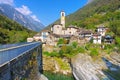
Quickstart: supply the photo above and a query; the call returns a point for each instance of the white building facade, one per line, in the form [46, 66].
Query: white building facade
[101, 30]
[57, 29]
[71, 31]
[97, 38]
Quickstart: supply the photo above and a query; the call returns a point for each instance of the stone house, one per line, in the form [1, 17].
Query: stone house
[102, 30]
[57, 29]
[108, 39]
[97, 38]
[86, 34]
[37, 38]
[30, 39]
[52, 39]
[71, 30]
[44, 35]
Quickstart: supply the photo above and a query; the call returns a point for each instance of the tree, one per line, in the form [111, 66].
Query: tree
[117, 40]
[74, 44]
[94, 52]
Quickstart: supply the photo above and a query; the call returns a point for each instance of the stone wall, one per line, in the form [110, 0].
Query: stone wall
[22, 66]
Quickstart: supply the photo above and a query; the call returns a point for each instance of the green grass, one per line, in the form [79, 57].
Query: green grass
[57, 76]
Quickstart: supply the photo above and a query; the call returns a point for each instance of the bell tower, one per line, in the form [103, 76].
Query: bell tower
[63, 19]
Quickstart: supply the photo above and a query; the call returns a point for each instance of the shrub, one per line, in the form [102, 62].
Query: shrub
[81, 49]
[74, 44]
[54, 54]
[46, 53]
[57, 76]
[61, 52]
[60, 41]
[117, 40]
[94, 52]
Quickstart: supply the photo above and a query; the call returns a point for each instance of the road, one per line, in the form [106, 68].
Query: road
[10, 53]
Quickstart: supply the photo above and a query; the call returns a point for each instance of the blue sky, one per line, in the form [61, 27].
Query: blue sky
[46, 11]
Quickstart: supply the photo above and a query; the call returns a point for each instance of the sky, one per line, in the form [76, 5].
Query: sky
[46, 11]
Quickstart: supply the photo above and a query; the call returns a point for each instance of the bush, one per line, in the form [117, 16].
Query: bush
[62, 41]
[53, 54]
[57, 76]
[69, 50]
[46, 53]
[74, 44]
[117, 40]
[61, 53]
[94, 52]
[81, 49]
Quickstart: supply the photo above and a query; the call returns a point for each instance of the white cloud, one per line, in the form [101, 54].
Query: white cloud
[35, 18]
[24, 10]
[10, 2]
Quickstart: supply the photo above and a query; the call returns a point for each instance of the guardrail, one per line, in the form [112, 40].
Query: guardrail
[10, 53]
[12, 45]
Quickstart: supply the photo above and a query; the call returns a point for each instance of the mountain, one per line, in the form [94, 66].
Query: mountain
[12, 32]
[95, 7]
[26, 21]
[98, 12]
[94, 13]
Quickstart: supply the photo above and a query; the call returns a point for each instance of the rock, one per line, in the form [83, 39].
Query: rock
[56, 65]
[42, 77]
[48, 48]
[48, 63]
[84, 68]
[115, 56]
[57, 68]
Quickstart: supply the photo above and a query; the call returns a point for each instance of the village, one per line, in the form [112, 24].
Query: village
[73, 33]
[84, 49]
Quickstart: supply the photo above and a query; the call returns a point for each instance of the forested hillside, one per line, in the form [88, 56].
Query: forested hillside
[27, 21]
[12, 32]
[106, 12]
[95, 7]
[99, 12]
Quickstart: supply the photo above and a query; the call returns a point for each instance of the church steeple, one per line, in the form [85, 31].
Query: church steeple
[63, 19]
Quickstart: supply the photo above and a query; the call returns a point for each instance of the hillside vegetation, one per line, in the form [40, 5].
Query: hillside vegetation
[106, 12]
[98, 12]
[12, 32]
[95, 7]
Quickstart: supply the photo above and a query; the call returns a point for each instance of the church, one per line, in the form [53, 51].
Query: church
[60, 29]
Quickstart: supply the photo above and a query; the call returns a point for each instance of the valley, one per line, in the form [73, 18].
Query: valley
[84, 45]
